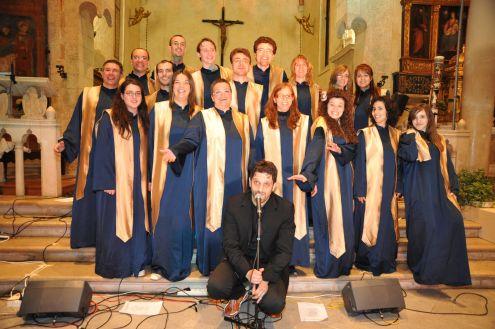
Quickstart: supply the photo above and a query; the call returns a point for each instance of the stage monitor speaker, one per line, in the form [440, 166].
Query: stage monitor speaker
[60, 298]
[375, 295]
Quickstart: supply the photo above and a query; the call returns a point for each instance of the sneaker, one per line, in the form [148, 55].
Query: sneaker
[234, 305]
[155, 276]
[141, 273]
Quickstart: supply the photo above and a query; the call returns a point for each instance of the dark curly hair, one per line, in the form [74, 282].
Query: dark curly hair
[390, 106]
[271, 112]
[345, 128]
[120, 114]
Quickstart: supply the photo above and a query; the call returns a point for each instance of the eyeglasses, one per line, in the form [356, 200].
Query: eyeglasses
[264, 51]
[133, 93]
[181, 44]
[284, 96]
[143, 58]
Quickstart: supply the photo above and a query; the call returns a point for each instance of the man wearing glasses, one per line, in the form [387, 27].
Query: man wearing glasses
[140, 63]
[221, 137]
[264, 73]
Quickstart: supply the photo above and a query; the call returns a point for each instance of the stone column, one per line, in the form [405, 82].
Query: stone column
[478, 81]
[19, 169]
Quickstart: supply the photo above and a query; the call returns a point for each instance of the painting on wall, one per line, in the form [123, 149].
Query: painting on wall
[449, 28]
[420, 31]
[23, 42]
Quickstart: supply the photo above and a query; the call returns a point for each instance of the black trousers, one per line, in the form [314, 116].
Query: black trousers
[225, 283]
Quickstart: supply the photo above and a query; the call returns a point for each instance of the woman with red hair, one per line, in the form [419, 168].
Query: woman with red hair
[281, 138]
[365, 92]
[327, 166]
[306, 90]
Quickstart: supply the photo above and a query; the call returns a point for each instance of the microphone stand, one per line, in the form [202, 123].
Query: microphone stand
[257, 322]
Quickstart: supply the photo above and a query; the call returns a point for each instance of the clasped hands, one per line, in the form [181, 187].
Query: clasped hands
[260, 286]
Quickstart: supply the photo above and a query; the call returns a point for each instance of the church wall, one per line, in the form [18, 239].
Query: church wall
[274, 18]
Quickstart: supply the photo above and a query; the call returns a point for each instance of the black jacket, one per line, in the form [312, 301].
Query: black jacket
[277, 227]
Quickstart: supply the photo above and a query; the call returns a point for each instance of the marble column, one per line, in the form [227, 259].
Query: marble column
[478, 81]
[19, 169]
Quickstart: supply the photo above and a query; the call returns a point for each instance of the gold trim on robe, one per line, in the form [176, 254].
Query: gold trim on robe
[225, 73]
[252, 103]
[124, 179]
[374, 182]
[273, 152]
[424, 153]
[333, 199]
[151, 84]
[314, 90]
[276, 77]
[151, 100]
[90, 98]
[216, 156]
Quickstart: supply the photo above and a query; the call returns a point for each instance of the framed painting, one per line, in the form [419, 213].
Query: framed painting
[23, 37]
[420, 31]
[449, 28]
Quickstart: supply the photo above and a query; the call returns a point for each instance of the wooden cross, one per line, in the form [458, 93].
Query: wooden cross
[222, 24]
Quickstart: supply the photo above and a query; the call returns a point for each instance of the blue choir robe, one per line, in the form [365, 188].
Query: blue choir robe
[172, 237]
[300, 250]
[114, 257]
[209, 242]
[83, 225]
[361, 117]
[308, 98]
[268, 78]
[436, 248]
[326, 264]
[160, 95]
[148, 84]
[379, 257]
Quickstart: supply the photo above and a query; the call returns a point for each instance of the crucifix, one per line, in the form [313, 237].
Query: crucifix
[222, 24]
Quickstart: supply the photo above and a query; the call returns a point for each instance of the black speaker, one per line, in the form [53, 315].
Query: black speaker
[61, 298]
[375, 295]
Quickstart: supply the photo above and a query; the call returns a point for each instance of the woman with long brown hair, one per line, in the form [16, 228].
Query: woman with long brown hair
[327, 166]
[307, 92]
[436, 247]
[340, 78]
[281, 138]
[170, 192]
[120, 183]
[365, 92]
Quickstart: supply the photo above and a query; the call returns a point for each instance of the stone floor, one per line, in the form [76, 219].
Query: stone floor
[430, 300]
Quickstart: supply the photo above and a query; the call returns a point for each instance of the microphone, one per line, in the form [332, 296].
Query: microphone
[257, 197]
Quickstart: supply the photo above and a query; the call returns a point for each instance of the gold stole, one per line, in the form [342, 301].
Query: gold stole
[333, 200]
[151, 100]
[424, 155]
[314, 90]
[276, 77]
[163, 121]
[374, 185]
[216, 156]
[225, 73]
[90, 98]
[252, 103]
[124, 179]
[273, 153]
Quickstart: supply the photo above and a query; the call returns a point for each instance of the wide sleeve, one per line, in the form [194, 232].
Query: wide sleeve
[360, 183]
[193, 136]
[151, 143]
[104, 156]
[312, 159]
[346, 155]
[408, 151]
[231, 243]
[72, 134]
[283, 250]
[453, 179]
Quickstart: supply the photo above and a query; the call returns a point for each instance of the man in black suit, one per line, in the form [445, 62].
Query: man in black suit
[240, 227]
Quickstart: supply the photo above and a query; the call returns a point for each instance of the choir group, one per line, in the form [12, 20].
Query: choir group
[159, 158]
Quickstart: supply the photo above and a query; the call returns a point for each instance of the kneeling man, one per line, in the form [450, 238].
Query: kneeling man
[240, 229]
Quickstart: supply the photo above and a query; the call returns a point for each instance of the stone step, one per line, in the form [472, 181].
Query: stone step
[35, 206]
[56, 227]
[12, 274]
[31, 249]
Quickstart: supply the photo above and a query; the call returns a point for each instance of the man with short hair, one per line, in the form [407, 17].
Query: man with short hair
[264, 72]
[77, 142]
[246, 95]
[240, 231]
[177, 47]
[164, 72]
[220, 137]
[209, 72]
[140, 58]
